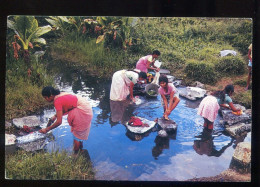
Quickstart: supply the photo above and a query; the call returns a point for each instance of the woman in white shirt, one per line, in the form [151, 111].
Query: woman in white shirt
[123, 82]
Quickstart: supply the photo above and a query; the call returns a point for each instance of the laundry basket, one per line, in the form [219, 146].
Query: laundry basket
[151, 90]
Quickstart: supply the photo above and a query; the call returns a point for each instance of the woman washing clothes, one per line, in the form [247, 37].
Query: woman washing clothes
[79, 114]
[147, 62]
[210, 105]
[169, 96]
[123, 82]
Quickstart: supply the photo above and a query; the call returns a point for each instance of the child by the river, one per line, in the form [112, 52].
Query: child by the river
[169, 95]
[210, 105]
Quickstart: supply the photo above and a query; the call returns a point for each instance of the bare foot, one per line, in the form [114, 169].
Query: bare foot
[166, 117]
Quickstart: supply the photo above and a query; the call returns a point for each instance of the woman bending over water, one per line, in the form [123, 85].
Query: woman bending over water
[123, 82]
[79, 114]
[210, 105]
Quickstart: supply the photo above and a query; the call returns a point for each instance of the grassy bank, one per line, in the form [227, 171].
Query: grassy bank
[23, 92]
[54, 166]
[190, 49]
[91, 57]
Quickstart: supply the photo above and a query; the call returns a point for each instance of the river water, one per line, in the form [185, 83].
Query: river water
[117, 154]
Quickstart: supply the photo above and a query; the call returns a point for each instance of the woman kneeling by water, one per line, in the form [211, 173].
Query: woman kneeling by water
[79, 114]
[169, 95]
[210, 105]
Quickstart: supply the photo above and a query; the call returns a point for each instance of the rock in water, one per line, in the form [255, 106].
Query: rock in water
[196, 92]
[192, 93]
[167, 125]
[238, 129]
[141, 130]
[30, 121]
[33, 146]
[162, 133]
[241, 160]
[231, 119]
[30, 137]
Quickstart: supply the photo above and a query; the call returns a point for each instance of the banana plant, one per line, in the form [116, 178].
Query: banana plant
[27, 32]
[118, 27]
[58, 22]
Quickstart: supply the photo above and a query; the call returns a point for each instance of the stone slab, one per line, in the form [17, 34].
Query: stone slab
[30, 121]
[167, 125]
[232, 119]
[141, 130]
[33, 146]
[238, 129]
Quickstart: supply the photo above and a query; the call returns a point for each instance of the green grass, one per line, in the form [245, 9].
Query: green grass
[179, 40]
[244, 98]
[42, 165]
[92, 57]
[23, 93]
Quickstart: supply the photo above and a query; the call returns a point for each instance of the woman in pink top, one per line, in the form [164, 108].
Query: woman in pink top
[169, 94]
[146, 62]
[79, 114]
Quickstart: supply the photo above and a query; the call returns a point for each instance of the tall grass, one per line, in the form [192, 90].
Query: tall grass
[93, 57]
[178, 39]
[42, 165]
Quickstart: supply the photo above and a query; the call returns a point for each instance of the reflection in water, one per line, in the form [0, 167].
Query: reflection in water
[137, 137]
[206, 145]
[162, 143]
[118, 111]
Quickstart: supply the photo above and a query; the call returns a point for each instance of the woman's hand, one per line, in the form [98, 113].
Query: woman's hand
[44, 131]
[133, 99]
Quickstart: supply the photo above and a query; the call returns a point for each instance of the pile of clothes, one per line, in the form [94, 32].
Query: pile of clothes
[136, 122]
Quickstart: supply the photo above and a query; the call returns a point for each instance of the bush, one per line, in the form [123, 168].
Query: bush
[240, 83]
[244, 98]
[208, 53]
[201, 71]
[175, 59]
[231, 65]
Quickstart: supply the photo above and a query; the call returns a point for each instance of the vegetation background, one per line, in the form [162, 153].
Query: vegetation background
[190, 49]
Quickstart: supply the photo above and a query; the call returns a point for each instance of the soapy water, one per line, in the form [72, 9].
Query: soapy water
[33, 136]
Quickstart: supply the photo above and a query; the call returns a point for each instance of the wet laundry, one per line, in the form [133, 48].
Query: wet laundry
[136, 122]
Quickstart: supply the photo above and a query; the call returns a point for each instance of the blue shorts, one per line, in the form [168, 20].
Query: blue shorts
[250, 63]
[75, 138]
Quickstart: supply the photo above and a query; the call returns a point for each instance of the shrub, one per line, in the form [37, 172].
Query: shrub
[175, 59]
[208, 53]
[240, 83]
[201, 71]
[244, 98]
[232, 65]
